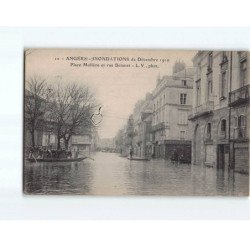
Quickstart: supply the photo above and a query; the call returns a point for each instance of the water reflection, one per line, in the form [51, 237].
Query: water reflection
[53, 178]
[110, 174]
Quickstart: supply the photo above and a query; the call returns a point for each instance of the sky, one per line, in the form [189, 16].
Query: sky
[116, 88]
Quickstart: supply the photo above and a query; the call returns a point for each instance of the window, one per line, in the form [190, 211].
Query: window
[210, 61]
[223, 84]
[198, 93]
[235, 121]
[242, 126]
[208, 132]
[223, 125]
[209, 89]
[243, 73]
[182, 117]
[164, 100]
[183, 98]
[223, 128]
[182, 135]
[242, 121]
[184, 82]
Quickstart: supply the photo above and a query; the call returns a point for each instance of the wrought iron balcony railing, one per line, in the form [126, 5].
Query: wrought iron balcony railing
[239, 96]
[201, 110]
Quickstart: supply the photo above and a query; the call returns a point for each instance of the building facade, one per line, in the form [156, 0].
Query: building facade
[172, 101]
[220, 110]
[142, 118]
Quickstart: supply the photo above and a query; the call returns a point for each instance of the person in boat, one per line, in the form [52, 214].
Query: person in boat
[31, 151]
[49, 152]
[69, 154]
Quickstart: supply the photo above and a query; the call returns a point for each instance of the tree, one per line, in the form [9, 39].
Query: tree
[71, 111]
[37, 98]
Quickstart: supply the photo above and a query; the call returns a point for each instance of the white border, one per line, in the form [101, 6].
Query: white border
[13, 205]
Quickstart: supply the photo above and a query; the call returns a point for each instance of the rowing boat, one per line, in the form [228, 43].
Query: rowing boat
[57, 159]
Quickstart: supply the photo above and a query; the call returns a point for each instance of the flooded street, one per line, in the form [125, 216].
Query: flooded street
[110, 174]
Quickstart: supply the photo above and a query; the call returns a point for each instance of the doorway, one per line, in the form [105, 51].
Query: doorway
[223, 156]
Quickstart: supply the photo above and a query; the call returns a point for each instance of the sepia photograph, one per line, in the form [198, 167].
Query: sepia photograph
[136, 122]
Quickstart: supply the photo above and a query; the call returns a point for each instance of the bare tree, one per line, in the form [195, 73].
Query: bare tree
[37, 94]
[71, 111]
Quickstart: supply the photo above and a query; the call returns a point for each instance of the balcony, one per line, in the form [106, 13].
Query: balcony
[202, 110]
[239, 96]
[159, 126]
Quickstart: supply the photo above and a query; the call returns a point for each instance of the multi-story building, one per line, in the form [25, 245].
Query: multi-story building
[220, 110]
[142, 119]
[172, 101]
[145, 123]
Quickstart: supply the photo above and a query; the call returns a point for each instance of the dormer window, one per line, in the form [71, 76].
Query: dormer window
[210, 62]
[224, 57]
[243, 72]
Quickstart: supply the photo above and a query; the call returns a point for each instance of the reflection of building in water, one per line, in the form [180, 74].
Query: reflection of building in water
[220, 110]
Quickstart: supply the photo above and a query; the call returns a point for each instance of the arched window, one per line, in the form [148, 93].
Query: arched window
[242, 126]
[235, 121]
[223, 125]
[242, 121]
[208, 131]
[223, 128]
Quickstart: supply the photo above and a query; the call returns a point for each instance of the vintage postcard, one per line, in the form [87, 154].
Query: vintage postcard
[136, 122]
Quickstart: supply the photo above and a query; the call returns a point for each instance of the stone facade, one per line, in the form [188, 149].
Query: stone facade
[142, 119]
[220, 110]
[172, 99]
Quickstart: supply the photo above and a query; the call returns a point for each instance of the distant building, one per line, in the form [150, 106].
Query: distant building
[106, 144]
[81, 143]
[172, 101]
[142, 120]
[220, 110]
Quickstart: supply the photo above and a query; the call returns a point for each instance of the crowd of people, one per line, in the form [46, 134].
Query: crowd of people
[42, 152]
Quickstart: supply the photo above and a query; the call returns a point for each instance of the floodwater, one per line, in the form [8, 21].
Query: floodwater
[110, 174]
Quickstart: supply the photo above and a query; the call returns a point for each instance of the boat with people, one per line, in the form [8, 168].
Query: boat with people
[40, 154]
[57, 159]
